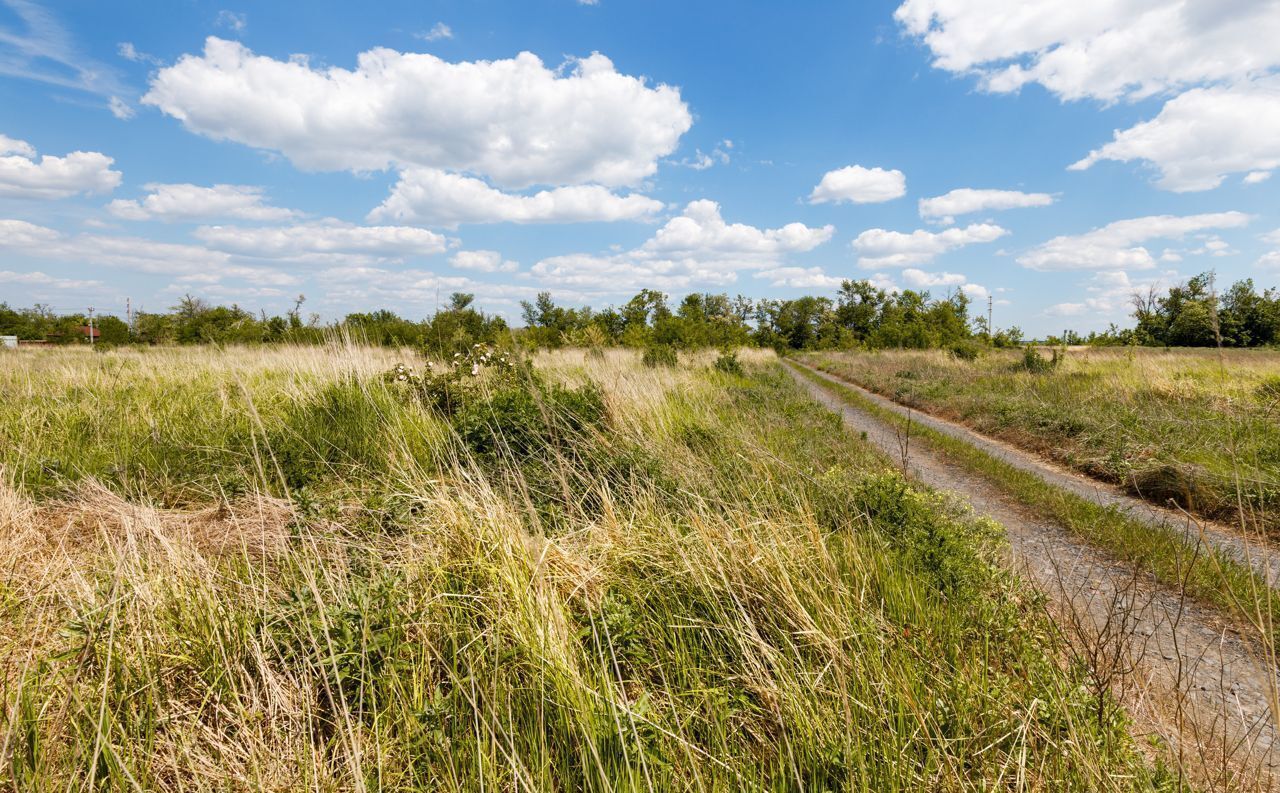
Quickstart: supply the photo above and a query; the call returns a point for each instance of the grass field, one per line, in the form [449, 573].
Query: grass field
[278, 569]
[1197, 427]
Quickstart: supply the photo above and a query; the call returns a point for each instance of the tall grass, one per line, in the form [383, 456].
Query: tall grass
[734, 594]
[1195, 427]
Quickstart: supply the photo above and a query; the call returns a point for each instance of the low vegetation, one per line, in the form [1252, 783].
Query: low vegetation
[341, 568]
[1195, 428]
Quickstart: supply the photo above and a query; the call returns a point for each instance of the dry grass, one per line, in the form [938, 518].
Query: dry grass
[752, 603]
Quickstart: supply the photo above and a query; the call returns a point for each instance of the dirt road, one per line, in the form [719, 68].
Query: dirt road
[1182, 672]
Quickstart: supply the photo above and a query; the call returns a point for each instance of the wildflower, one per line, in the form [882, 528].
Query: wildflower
[475, 369]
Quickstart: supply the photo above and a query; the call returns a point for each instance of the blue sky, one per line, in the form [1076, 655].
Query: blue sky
[1056, 156]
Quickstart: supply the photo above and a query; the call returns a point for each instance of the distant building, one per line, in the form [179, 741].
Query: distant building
[8, 341]
[90, 333]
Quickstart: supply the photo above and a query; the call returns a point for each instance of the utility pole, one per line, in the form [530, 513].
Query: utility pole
[991, 331]
[90, 326]
[128, 314]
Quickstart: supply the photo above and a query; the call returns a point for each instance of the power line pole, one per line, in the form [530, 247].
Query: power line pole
[90, 326]
[128, 314]
[991, 331]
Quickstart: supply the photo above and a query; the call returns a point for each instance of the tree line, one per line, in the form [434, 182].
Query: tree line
[861, 315]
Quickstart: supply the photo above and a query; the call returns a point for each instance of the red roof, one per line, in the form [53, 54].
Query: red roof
[85, 330]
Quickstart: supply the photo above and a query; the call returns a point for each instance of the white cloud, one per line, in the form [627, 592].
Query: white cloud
[10, 145]
[965, 200]
[324, 240]
[701, 161]
[697, 248]
[1116, 245]
[1256, 177]
[39, 48]
[859, 185]
[1107, 296]
[919, 279]
[1100, 49]
[37, 278]
[432, 196]
[193, 262]
[189, 202]
[881, 248]
[232, 20]
[1271, 258]
[120, 108]
[514, 121]
[17, 236]
[1203, 135]
[483, 261]
[22, 176]
[438, 31]
[799, 277]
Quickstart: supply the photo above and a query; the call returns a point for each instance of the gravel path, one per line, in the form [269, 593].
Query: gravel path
[1185, 674]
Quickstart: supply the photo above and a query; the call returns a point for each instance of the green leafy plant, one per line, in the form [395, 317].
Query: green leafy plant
[728, 363]
[656, 355]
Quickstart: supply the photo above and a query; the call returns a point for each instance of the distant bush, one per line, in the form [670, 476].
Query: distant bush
[656, 355]
[728, 363]
[1036, 363]
[967, 350]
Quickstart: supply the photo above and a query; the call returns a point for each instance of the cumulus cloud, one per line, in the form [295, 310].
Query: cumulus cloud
[514, 121]
[189, 202]
[799, 277]
[966, 200]
[858, 185]
[696, 248]
[881, 248]
[919, 279]
[483, 261]
[1203, 135]
[434, 197]
[1100, 49]
[49, 177]
[1116, 246]
[324, 240]
[1256, 177]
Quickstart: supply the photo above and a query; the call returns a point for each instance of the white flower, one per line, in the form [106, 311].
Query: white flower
[475, 369]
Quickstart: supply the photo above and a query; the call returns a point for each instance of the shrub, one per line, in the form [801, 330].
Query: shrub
[446, 388]
[728, 363]
[656, 355]
[967, 350]
[1036, 363]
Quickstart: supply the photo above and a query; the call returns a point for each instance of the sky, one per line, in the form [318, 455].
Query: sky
[1052, 156]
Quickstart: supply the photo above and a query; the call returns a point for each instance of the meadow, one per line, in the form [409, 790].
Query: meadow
[1196, 428]
[289, 568]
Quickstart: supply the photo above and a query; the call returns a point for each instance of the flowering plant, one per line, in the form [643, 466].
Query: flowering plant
[446, 386]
